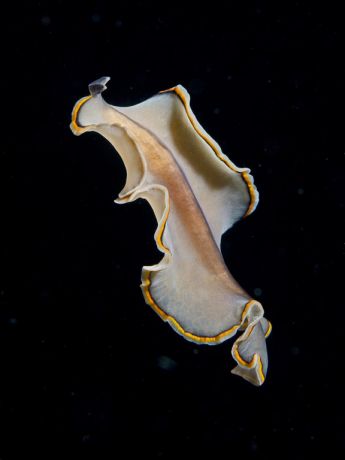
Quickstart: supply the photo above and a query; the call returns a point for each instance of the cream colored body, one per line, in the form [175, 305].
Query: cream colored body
[196, 194]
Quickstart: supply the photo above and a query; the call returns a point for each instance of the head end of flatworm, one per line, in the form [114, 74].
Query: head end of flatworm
[98, 86]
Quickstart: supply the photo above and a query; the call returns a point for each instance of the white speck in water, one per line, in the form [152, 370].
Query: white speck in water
[96, 18]
[295, 351]
[166, 363]
[45, 20]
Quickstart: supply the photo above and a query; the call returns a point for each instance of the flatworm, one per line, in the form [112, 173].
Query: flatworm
[196, 194]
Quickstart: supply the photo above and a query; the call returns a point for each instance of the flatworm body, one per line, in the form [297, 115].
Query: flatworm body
[196, 194]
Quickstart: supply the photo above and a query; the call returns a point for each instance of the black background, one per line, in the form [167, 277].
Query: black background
[87, 369]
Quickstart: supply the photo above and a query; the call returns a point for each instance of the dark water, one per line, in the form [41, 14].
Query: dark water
[86, 367]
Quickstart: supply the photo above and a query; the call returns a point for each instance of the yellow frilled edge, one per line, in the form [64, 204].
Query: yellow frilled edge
[245, 176]
[202, 339]
[74, 123]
